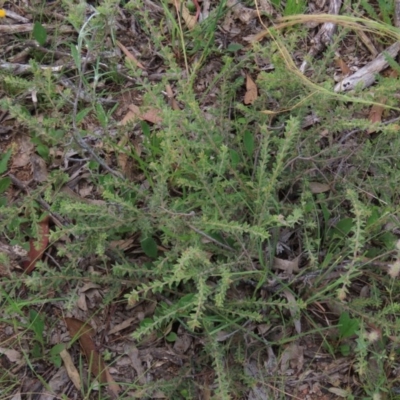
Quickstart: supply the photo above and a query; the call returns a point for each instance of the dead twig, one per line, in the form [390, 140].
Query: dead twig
[211, 239]
[18, 69]
[13, 15]
[22, 28]
[366, 75]
[397, 13]
[324, 36]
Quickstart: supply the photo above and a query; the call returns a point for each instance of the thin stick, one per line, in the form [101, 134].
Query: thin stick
[225, 246]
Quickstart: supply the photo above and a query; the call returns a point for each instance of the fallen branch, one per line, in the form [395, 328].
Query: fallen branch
[366, 75]
[324, 36]
[22, 28]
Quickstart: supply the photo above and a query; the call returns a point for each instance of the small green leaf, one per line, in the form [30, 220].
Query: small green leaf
[235, 158]
[57, 349]
[325, 213]
[185, 394]
[327, 260]
[233, 47]
[57, 361]
[191, 6]
[373, 218]
[4, 184]
[4, 161]
[43, 151]
[75, 55]
[344, 349]
[93, 165]
[248, 140]
[39, 33]
[388, 239]
[146, 322]
[54, 354]
[172, 336]
[347, 326]
[185, 300]
[37, 325]
[294, 7]
[145, 128]
[101, 115]
[36, 350]
[82, 114]
[342, 228]
[56, 134]
[149, 246]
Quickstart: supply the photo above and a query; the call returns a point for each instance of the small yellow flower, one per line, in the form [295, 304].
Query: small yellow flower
[2, 13]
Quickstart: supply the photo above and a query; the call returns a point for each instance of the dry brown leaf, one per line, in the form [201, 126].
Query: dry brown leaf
[266, 6]
[81, 302]
[129, 55]
[241, 12]
[151, 115]
[89, 286]
[294, 310]
[375, 114]
[24, 148]
[85, 190]
[289, 266]
[97, 367]
[122, 244]
[17, 396]
[293, 354]
[317, 187]
[170, 94]
[133, 353]
[123, 325]
[123, 159]
[39, 168]
[251, 91]
[132, 114]
[344, 68]
[71, 369]
[339, 392]
[12, 355]
[55, 386]
[190, 20]
[182, 343]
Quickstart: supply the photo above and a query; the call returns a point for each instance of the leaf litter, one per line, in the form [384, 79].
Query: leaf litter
[157, 359]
